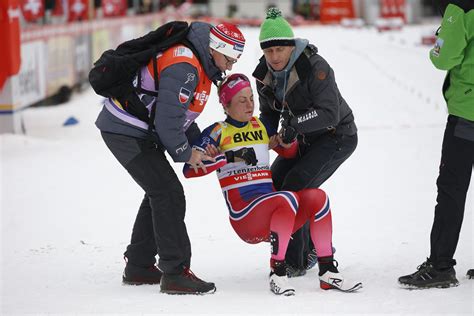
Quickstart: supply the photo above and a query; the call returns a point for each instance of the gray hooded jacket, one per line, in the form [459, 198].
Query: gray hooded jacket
[170, 117]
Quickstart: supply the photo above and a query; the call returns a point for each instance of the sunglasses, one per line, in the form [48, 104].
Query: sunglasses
[230, 61]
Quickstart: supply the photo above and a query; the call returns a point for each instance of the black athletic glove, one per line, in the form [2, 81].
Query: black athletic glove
[245, 154]
[288, 133]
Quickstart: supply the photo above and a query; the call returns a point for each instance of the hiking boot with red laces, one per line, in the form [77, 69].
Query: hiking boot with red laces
[185, 283]
[136, 275]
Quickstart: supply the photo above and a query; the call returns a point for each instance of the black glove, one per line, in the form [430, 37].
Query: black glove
[288, 133]
[246, 154]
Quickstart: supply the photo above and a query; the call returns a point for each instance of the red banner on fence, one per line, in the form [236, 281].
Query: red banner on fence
[78, 10]
[114, 7]
[10, 58]
[32, 9]
[332, 11]
[393, 9]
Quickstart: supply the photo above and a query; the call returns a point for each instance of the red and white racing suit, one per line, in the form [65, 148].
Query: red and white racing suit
[256, 211]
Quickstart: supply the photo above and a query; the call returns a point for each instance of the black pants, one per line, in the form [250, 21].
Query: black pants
[457, 159]
[316, 162]
[159, 226]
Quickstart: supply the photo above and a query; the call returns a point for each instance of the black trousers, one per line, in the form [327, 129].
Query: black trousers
[457, 159]
[315, 163]
[159, 226]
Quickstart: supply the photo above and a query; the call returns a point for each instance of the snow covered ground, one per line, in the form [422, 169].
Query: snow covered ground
[67, 207]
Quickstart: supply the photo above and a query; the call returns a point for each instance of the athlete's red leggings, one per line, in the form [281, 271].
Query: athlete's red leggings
[275, 216]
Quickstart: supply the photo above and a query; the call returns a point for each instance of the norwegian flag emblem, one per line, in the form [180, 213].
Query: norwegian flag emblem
[184, 95]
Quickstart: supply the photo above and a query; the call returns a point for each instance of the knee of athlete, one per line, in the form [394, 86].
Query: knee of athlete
[313, 196]
[292, 197]
[289, 200]
[285, 212]
[321, 196]
[322, 204]
[316, 198]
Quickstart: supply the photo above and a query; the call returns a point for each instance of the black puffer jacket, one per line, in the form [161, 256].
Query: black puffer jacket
[311, 98]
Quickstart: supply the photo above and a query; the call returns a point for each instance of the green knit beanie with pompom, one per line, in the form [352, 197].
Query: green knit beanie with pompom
[275, 30]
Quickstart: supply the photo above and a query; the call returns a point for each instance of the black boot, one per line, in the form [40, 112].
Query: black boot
[136, 275]
[312, 258]
[470, 274]
[428, 276]
[185, 283]
[327, 264]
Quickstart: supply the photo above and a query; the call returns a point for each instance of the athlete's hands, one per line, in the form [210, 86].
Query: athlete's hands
[273, 142]
[196, 160]
[279, 141]
[288, 134]
[212, 150]
[244, 154]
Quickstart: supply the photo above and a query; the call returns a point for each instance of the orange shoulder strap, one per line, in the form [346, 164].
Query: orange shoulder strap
[175, 55]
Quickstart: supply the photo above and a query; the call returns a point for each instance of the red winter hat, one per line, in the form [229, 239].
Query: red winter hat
[227, 39]
[231, 86]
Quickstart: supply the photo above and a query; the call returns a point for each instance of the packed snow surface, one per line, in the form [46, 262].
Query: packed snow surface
[67, 206]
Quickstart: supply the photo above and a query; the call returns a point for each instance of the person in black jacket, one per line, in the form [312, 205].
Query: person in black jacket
[297, 86]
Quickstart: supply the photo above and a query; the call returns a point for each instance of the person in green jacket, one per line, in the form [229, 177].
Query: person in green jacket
[454, 52]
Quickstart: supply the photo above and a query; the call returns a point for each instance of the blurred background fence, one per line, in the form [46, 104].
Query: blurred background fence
[52, 44]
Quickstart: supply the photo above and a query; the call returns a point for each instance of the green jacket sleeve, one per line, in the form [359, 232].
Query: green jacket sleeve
[451, 41]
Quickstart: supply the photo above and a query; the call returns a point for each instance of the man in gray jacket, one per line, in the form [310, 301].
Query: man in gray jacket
[295, 84]
[186, 74]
